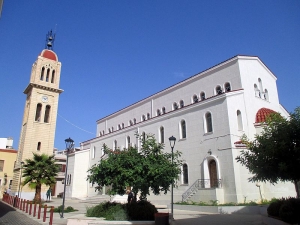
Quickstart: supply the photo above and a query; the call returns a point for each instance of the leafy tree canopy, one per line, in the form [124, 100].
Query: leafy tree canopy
[39, 170]
[148, 169]
[274, 155]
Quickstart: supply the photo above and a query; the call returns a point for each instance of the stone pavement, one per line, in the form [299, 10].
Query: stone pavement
[181, 217]
[10, 216]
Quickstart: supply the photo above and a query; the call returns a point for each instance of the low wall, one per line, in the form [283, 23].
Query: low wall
[221, 209]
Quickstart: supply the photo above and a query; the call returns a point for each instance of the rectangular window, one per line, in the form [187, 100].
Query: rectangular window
[1, 165]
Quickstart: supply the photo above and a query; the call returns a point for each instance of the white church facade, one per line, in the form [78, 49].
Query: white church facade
[207, 113]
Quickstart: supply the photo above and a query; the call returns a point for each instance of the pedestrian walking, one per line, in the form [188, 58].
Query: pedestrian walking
[48, 194]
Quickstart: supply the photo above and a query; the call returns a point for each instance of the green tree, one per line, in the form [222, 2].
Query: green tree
[274, 155]
[39, 170]
[148, 169]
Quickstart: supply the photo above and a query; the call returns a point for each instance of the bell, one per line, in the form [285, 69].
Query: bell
[49, 44]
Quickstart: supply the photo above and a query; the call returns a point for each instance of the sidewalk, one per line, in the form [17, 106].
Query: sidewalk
[181, 217]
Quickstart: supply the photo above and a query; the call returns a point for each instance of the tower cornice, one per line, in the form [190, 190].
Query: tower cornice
[42, 87]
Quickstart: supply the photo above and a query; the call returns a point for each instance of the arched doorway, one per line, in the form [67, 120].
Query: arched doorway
[213, 177]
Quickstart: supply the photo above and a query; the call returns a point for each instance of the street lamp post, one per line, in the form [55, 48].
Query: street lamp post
[172, 144]
[22, 163]
[69, 147]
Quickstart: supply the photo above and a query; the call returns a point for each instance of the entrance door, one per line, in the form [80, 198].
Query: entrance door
[213, 173]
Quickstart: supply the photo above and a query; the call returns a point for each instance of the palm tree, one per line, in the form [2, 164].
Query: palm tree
[38, 171]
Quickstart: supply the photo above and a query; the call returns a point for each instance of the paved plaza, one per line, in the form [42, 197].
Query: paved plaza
[10, 216]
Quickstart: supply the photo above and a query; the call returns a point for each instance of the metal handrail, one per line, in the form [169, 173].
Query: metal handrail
[201, 183]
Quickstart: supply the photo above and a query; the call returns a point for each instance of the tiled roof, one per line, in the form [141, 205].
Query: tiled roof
[262, 114]
[49, 54]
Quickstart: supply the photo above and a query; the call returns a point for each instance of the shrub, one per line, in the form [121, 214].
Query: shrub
[141, 210]
[274, 207]
[67, 209]
[290, 211]
[108, 210]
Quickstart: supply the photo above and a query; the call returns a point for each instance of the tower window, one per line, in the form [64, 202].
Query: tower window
[239, 120]
[128, 142]
[227, 87]
[202, 96]
[218, 90]
[42, 73]
[175, 106]
[148, 116]
[115, 145]
[122, 125]
[53, 76]
[195, 98]
[163, 110]
[48, 74]
[158, 112]
[47, 114]
[134, 120]
[143, 118]
[38, 112]
[39, 146]
[181, 103]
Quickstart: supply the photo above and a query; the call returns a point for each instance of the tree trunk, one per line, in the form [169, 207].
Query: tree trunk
[37, 197]
[296, 187]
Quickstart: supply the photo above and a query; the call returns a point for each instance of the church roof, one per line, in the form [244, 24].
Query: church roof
[262, 114]
[46, 53]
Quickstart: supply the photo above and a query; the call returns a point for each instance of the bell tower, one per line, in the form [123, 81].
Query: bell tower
[40, 113]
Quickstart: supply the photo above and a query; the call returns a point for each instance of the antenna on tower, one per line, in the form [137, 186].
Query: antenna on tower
[50, 37]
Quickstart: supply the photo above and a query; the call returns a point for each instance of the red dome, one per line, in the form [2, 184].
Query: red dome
[49, 54]
[262, 114]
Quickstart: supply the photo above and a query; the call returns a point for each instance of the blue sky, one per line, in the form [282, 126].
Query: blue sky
[115, 53]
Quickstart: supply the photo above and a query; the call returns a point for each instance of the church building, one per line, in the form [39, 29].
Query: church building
[207, 113]
[39, 119]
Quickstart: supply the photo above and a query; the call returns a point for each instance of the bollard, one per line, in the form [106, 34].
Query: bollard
[24, 201]
[39, 212]
[34, 210]
[51, 215]
[20, 205]
[27, 206]
[30, 207]
[45, 211]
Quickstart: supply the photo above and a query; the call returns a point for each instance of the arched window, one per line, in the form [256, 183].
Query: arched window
[122, 125]
[112, 129]
[128, 142]
[47, 114]
[162, 134]
[239, 120]
[181, 103]
[134, 120]
[208, 122]
[42, 73]
[39, 146]
[38, 112]
[143, 118]
[130, 122]
[175, 106]
[185, 174]
[143, 136]
[260, 85]
[48, 74]
[109, 131]
[148, 116]
[103, 132]
[227, 87]
[195, 98]
[202, 96]
[183, 129]
[119, 126]
[266, 95]
[257, 91]
[163, 110]
[158, 112]
[115, 145]
[53, 76]
[100, 134]
[94, 152]
[218, 90]
[69, 179]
